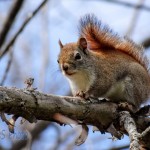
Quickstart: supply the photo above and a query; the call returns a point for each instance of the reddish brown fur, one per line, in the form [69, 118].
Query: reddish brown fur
[100, 37]
[108, 66]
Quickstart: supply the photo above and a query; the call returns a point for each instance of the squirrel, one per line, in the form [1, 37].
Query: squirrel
[102, 64]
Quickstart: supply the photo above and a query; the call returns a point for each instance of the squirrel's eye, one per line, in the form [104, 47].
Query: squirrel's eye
[77, 56]
[58, 61]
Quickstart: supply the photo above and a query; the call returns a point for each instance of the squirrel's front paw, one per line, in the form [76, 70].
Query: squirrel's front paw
[82, 94]
[127, 106]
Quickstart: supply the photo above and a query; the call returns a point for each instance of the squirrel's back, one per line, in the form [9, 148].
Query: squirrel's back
[100, 37]
[102, 64]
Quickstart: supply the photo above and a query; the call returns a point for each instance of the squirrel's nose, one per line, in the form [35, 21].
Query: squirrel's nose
[65, 67]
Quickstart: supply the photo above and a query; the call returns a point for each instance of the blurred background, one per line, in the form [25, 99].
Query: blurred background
[34, 54]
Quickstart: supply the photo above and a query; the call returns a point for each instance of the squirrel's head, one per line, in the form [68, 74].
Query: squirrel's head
[73, 57]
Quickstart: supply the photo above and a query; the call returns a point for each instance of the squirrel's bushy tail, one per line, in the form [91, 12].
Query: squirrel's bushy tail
[101, 37]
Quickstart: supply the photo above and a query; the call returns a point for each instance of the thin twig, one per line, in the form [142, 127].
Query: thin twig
[120, 147]
[124, 3]
[30, 16]
[10, 20]
[146, 43]
[134, 18]
[144, 133]
[7, 68]
[129, 125]
[35, 132]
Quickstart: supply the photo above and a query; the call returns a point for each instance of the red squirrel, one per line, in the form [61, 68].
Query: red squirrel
[102, 64]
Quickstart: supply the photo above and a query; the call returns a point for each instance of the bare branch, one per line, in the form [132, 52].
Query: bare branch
[10, 20]
[134, 18]
[144, 133]
[44, 107]
[131, 129]
[30, 16]
[124, 3]
[7, 68]
[146, 43]
[120, 147]
[41, 126]
[32, 104]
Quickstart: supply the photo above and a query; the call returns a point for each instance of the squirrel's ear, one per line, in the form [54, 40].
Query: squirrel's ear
[60, 44]
[82, 43]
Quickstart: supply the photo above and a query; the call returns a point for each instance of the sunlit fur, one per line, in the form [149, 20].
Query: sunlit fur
[111, 67]
[80, 80]
[100, 36]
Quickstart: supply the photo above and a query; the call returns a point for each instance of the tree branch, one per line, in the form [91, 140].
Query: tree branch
[146, 43]
[130, 127]
[7, 68]
[32, 104]
[120, 147]
[124, 3]
[41, 126]
[127, 4]
[44, 107]
[11, 17]
[9, 45]
[134, 18]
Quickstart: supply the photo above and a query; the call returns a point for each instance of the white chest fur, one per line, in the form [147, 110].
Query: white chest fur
[80, 82]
